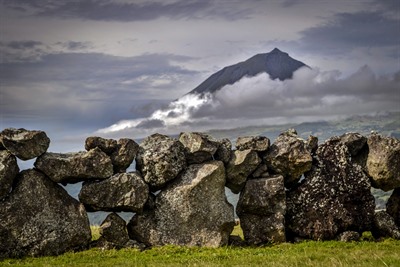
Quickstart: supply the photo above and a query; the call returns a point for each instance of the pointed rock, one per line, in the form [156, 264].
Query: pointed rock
[199, 147]
[8, 171]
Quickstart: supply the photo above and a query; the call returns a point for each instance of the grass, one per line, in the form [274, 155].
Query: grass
[310, 253]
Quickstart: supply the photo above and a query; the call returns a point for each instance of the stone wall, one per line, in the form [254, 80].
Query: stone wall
[290, 190]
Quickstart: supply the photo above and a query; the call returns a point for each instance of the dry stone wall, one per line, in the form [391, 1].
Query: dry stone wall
[292, 189]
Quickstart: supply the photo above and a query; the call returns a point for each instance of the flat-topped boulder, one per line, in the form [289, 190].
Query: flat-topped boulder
[39, 218]
[199, 147]
[122, 192]
[160, 159]
[8, 171]
[24, 144]
[75, 167]
[256, 143]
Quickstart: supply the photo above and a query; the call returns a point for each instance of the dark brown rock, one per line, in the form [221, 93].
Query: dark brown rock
[122, 192]
[108, 146]
[256, 143]
[24, 144]
[40, 218]
[8, 171]
[385, 226]
[354, 142]
[160, 160]
[191, 211]
[223, 152]
[393, 206]
[312, 144]
[199, 147]
[75, 167]
[333, 198]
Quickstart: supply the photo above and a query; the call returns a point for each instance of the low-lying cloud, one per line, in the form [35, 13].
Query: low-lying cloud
[311, 95]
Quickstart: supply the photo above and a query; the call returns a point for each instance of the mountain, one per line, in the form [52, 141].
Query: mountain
[278, 64]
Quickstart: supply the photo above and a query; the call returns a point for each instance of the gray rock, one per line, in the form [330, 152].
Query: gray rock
[349, 236]
[223, 152]
[354, 142]
[113, 233]
[333, 198]
[383, 162]
[40, 218]
[108, 146]
[191, 211]
[160, 160]
[24, 144]
[122, 192]
[256, 143]
[289, 156]
[261, 171]
[239, 168]
[8, 171]
[75, 167]
[261, 209]
[199, 147]
[393, 206]
[312, 144]
[385, 226]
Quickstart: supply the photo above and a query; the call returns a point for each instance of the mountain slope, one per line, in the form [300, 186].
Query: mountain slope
[278, 64]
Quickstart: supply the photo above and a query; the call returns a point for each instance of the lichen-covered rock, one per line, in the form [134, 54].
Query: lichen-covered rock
[8, 171]
[199, 147]
[289, 156]
[191, 211]
[122, 192]
[24, 144]
[261, 209]
[312, 144]
[261, 171]
[354, 142]
[393, 206]
[333, 198]
[385, 226]
[256, 143]
[160, 159]
[40, 218]
[239, 167]
[223, 152]
[383, 162]
[75, 167]
[121, 152]
[349, 236]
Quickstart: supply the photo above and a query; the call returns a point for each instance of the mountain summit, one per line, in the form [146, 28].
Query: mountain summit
[278, 64]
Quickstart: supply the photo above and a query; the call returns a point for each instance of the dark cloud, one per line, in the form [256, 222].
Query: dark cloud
[22, 45]
[108, 10]
[72, 45]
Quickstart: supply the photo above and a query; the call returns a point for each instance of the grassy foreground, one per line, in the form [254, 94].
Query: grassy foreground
[311, 253]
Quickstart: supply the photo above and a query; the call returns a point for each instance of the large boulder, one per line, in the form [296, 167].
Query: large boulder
[24, 144]
[239, 168]
[8, 171]
[121, 152]
[256, 143]
[75, 167]
[383, 162]
[385, 226]
[261, 209]
[333, 198]
[191, 211]
[40, 218]
[122, 192]
[160, 159]
[289, 156]
[199, 147]
[393, 206]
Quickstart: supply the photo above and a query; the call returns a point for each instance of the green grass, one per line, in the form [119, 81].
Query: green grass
[310, 253]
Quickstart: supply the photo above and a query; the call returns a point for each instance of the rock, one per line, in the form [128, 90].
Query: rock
[8, 171]
[191, 211]
[236, 241]
[289, 156]
[349, 236]
[223, 152]
[199, 147]
[239, 167]
[75, 167]
[256, 143]
[354, 142]
[261, 209]
[113, 233]
[261, 170]
[39, 218]
[160, 160]
[393, 206]
[333, 198]
[312, 144]
[383, 162]
[122, 192]
[121, 152]
[24, 144]
[385, 226]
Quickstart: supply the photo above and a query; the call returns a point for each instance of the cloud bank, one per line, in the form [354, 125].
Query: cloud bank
[311, 95]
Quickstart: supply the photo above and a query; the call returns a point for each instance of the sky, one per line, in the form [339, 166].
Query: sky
[113, 67]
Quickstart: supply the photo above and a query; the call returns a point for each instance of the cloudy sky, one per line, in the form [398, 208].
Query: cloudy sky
[80, 67]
